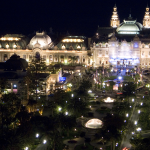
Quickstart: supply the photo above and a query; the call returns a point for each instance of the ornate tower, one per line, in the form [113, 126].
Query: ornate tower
[146, 20]
[114, 22]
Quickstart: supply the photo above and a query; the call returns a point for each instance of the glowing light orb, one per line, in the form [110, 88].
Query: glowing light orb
[94, 124]
[108, 100]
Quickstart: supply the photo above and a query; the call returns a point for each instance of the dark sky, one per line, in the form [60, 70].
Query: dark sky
[79, 17]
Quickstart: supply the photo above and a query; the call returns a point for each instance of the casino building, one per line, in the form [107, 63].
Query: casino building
[120, 45]
[123, 44]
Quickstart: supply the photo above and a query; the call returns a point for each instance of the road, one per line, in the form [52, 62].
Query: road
[134, 117]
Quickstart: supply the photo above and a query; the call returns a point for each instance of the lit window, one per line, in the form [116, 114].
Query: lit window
[30, 57]
[72, 40]
[7, 46]
[24, 56]
[5, 57]
[14, 46]
[50, 57]
[63, 47]
[9, 39]
[78, 47]
[44, 57]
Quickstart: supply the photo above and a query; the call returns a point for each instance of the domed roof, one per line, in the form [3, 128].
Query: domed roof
[129, 27]
[42, 39]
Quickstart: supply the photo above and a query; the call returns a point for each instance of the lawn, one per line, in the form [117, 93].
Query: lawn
[126, 78]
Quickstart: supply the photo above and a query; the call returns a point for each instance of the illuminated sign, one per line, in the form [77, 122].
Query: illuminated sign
[62, 78]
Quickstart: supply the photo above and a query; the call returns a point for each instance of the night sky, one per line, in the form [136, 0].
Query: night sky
[78, 17]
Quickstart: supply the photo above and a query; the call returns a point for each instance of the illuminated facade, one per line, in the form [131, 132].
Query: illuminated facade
[120, 45]
[114, 22]
[146, 20]
[128, 45]
[71, 49]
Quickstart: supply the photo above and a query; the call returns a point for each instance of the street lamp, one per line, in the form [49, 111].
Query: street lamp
[37, 135]
[139, 111]
[138, 129]
[127, 115]
[44, 141]
[26, 148]
[66, 113]
[59, 108]
[133, 100]
[135, 122]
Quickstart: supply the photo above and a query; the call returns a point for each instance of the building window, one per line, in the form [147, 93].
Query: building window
[50, 58]
[143, 46]
[106, 45]
[56, 59]
[63, 47]
[37, 55]
[30, 57]
[77, 59]
[142, 53]
[69, 59]
[100, 52]
[84, 60]
[44, 57]
[106, 52]
[7, 46]
[106, 62]
[24, 56]
[62, 58]
[5, 57]
[100, 62]
[89, 61]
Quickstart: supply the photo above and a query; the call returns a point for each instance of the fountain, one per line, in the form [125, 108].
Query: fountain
[108, 100]
[93, 124]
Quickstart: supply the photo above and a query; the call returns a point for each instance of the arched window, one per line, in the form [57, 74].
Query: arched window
[50, 58]
[37, 55]
[5, 57]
